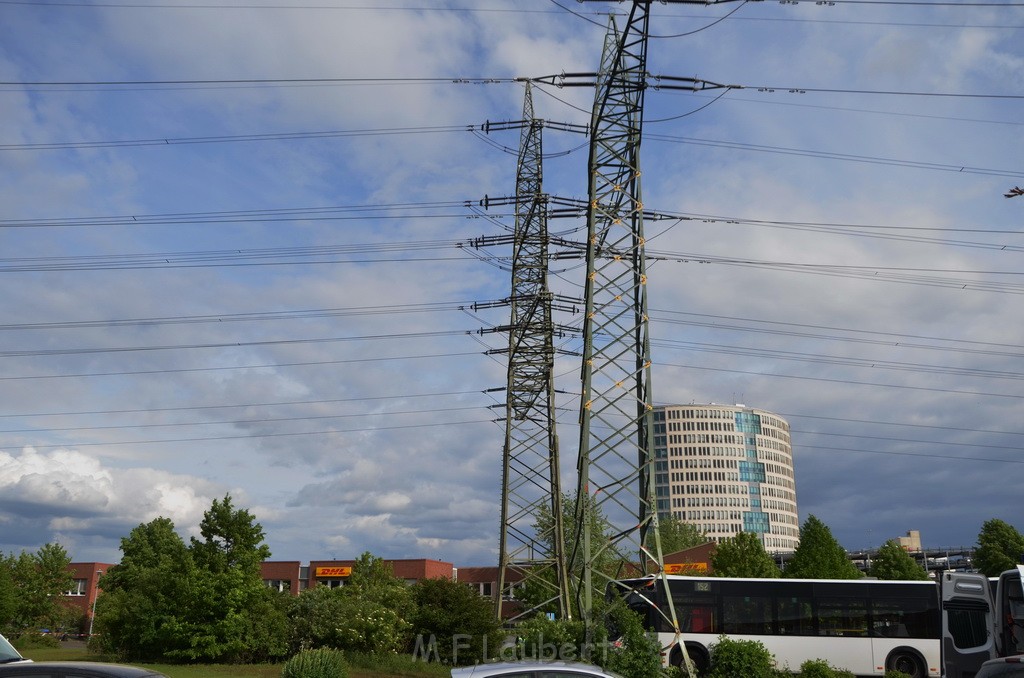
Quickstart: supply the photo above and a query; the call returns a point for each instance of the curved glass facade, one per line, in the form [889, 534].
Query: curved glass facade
[727, 469]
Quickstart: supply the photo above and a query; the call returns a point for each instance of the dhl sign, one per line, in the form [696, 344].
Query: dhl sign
[333, 571]
[685, 568]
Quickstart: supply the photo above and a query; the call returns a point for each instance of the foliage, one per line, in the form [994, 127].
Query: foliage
[537, 590]
[206, 602]
[461, 623]
[232, 540]
[1000, 548]
[743, 556]
[635, 654]
[542, 639]
[369, 614]
[819, 555]
[893, 562]
[36, 583]
[893, 673]
[139, 614]
[747, 658]
[820, 668]
[8, 600]
[678, 535]
[319, 663]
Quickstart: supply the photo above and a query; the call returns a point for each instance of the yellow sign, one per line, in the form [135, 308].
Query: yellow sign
[333, 571]
[685, 568]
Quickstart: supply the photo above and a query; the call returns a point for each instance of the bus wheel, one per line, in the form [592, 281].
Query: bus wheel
[698, 656]
[905, 661]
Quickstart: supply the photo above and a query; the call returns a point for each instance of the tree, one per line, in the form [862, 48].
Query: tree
[8, 599]
[893, 562]
[534, 593]
[204, 603]
[37, 582]
[232, 539]
[376, 607]
[677, 535]
[229, 614]
[459, 621]
[141, 613]
[819, 555]
[1000, 547]
[743, 556]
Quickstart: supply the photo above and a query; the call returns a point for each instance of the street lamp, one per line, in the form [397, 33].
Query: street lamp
[95, 595]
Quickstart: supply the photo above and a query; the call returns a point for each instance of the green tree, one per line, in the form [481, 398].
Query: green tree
[382, 603]
[232, 540]
[37, 584]
[8, 599]
[534, 593]
[819, 555]
[743, 556]
[678, 535]
[1000, 548]
[460, 622]
[313, 619]
[893, 562]
[141, 613]
[229, 616]
[204, 603]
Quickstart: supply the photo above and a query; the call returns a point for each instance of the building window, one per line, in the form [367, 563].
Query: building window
[78, 588]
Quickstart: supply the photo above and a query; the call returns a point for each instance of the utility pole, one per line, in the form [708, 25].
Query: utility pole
[531, 554]
[615, 453]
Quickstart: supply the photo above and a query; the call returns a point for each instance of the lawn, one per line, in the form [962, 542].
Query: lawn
[401, 668]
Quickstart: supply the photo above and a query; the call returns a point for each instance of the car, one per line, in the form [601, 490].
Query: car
[8, 655]
[1004, 667]
[75, 670]
[533, 669]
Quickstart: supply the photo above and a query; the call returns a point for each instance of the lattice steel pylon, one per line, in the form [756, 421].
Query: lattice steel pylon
[532, 548]
[615, 455]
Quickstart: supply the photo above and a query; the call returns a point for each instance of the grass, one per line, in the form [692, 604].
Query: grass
[360, 666]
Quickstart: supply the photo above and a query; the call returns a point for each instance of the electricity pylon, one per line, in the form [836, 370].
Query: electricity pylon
[532, 549]
[616, 460]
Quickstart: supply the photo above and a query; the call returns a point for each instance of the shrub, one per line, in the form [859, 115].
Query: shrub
[319, 663]
[820, 668]
[636, 654]
[748, 658]
[33, 640]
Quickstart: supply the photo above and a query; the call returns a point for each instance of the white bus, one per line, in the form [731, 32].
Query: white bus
[925, 629]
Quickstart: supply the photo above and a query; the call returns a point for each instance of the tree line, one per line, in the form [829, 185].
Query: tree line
[205, 600]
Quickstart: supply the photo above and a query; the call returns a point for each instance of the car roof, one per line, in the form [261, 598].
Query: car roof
[78, 668]
[492, 669]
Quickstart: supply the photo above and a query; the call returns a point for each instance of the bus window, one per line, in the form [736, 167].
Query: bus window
[796, 616]
[905, 618]
[843, 616]
[697, 616]
[746, 615]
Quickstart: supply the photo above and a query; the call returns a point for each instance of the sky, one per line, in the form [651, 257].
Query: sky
[240, 255]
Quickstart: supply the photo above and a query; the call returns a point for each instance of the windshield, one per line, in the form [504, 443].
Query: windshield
[7, 652]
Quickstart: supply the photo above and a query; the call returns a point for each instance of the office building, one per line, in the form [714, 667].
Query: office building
[727, 469]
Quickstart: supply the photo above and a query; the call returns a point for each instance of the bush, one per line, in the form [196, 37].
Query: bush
[636, 654]
[33, 640]
[319, 663]
[820, 668]
[748, 658]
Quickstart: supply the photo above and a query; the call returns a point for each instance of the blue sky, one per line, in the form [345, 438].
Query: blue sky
[214, 285]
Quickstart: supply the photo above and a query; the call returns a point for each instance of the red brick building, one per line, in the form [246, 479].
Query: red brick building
[295, 578]
[82, 595]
